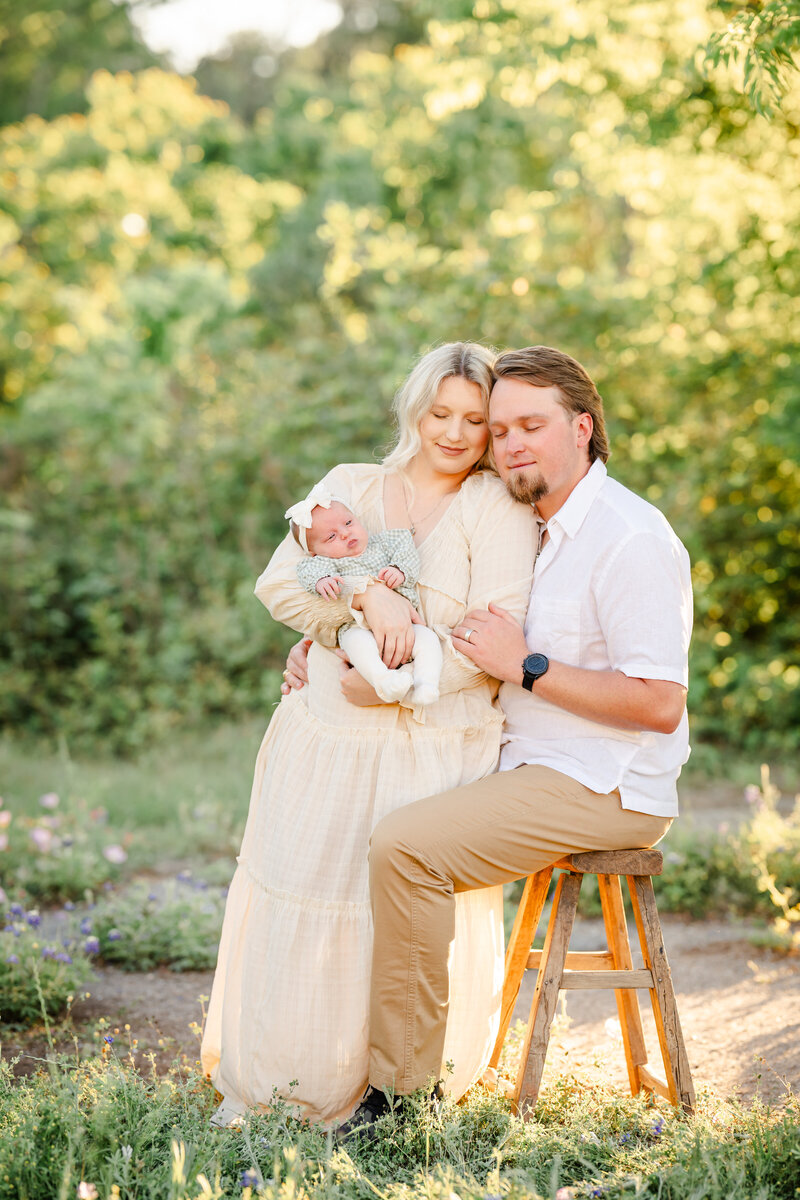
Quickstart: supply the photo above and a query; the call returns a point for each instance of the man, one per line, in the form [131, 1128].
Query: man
[593, 690]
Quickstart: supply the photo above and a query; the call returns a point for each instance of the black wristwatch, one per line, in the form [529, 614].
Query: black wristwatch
[533, 668]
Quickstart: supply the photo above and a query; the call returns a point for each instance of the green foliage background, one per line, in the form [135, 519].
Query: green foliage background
[201, 311]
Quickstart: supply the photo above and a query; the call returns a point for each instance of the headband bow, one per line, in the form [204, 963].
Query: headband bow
[300, 513]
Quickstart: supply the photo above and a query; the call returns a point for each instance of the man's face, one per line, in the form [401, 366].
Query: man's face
[540, 449]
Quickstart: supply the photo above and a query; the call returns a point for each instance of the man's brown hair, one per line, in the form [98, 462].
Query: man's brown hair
[542, 366]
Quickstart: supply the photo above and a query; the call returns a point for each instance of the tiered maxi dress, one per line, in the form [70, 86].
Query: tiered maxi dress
[288, 1012]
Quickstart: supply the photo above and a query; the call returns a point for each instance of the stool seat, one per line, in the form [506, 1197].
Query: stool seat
[559, 968]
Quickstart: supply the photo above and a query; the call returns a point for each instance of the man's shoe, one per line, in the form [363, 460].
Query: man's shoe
[376, 1104]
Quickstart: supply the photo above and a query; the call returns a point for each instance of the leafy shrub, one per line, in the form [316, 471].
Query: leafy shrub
[39, 974]
[176, 925]
[60, 855]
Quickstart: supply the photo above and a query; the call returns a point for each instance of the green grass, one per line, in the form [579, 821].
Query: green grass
[122, 1131]
[194, 772]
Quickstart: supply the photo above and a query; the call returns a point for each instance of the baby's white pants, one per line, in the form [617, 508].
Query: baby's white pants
[361, 648]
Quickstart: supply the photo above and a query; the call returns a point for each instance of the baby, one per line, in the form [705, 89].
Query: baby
[339, 551]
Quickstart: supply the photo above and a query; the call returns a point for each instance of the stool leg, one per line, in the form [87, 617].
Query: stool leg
[630, 1018]
[545, 998]
[518, 949]
[662, 995]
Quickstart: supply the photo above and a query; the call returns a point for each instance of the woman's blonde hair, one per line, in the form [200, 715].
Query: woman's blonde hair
[416, 397]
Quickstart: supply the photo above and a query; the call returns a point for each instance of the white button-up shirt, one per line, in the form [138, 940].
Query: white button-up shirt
[611, 591]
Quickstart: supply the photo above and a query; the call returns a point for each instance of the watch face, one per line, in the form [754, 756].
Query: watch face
[535, 664]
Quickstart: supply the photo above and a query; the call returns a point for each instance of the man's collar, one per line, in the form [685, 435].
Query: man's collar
[573, 511]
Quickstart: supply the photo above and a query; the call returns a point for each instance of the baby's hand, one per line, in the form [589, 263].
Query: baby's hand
[391, 576]
[330, 586]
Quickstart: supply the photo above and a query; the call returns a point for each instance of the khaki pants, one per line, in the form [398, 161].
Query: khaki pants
[498, 829]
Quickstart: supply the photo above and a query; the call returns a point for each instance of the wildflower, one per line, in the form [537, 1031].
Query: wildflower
[752, 793]
[69, 906]
[114, 935]
[624, 1137]
[17, 910]
[152, 896]
[658, 1126]
[92, 945]
[108, 1038]
[250, 1179]
[115, 854]
[33, 919]
[48, 952]
[86, 925]
[87, 1191]
[49, 800]
[184, 877]
[3, 841]
[12, 959]
[63, 958]
[5, 819]
[41, 838]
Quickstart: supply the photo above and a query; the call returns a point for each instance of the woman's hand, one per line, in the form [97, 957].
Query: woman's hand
[391, 618]
[296, 673]
[355, 688]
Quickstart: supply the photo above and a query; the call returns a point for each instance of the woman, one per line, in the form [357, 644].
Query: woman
[288, 1010]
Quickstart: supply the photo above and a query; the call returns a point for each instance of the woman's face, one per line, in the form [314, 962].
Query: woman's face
[454, 433]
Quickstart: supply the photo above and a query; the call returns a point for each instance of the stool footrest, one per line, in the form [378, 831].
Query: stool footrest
[606, 980]
[577, 960]
[653, 1083]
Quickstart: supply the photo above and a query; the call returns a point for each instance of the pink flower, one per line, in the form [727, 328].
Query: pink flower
[752, 793]
[5, 819]
[49, 800]
[87, 1191]
[115, 854]
[3, 841]
[42, 839]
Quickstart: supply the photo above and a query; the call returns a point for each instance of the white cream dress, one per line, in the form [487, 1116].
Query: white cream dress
[288, 1013]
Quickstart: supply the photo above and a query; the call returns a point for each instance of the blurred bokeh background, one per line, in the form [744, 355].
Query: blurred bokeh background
[222, 248]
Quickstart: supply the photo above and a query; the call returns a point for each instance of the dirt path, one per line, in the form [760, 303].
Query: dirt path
[739, 1007]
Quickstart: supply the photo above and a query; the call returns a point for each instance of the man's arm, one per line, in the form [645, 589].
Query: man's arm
[497, 645]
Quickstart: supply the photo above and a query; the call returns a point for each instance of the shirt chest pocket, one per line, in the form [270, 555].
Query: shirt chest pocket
[553, 627]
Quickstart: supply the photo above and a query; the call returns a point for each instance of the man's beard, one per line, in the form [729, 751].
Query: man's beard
[527, 490]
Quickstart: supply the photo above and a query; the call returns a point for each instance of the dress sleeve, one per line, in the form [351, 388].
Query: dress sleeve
[502, 549]
[280, 591]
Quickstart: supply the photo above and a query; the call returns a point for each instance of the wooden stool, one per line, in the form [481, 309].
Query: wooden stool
[612, 968]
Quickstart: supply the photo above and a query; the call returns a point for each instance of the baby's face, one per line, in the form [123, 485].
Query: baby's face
[336, 533]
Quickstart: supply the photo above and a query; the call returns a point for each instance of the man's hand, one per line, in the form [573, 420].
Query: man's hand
[296, 673]
[330, 586]
[355, 688]
[391, 576]
[496, 642]
[390, 617]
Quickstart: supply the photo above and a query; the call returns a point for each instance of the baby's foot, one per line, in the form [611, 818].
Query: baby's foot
[426, 693]
[393, 687]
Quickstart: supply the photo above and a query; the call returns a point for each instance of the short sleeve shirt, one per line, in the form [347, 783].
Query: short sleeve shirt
[611, 591]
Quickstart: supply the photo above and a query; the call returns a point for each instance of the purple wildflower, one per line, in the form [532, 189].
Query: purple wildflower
[63, 958]
[86, 925]
[108, 1038]
[658, 1126]
[114, 935]
[250, 1179]
[48, 952]
[17, 910]
[92, 945]
[33, 919]
[69, 906]
[13, 959]
[49, 800]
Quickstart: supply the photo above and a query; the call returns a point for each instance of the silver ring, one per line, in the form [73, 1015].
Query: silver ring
[468, 635]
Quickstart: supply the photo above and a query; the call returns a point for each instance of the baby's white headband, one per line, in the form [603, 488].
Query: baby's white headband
[318, 497]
